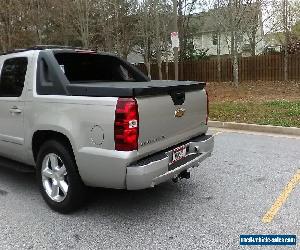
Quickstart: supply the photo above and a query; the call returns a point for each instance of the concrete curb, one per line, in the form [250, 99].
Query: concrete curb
[256, 128]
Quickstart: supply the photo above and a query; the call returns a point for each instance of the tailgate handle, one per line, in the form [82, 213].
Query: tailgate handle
[178, 97]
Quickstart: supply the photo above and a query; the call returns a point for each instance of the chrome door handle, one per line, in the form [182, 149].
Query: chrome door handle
[15, 110]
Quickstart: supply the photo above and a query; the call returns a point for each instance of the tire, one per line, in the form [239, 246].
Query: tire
[58, 178]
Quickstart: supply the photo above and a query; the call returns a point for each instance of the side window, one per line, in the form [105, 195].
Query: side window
[13, 76]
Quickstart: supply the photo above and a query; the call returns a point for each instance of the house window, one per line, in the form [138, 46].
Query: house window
[214, 38]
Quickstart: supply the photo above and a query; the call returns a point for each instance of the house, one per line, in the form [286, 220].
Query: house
[213, 30]
[135, 58]
[274, 42]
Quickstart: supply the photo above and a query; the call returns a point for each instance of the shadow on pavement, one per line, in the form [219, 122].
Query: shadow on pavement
[164, 197]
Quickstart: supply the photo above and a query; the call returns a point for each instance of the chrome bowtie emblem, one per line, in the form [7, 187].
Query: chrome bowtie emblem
[179, 112]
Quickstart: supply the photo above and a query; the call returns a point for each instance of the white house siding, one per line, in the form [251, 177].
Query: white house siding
[135, 58]
[205, 41]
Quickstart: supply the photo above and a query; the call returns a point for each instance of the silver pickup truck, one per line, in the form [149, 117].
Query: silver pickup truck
[83, 118]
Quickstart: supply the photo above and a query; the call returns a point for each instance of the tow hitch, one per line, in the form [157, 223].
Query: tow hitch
[183, 175]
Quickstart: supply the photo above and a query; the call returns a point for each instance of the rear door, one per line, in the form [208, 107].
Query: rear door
[12, 79]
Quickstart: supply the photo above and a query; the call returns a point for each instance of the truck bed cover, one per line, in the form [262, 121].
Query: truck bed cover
[131, 89]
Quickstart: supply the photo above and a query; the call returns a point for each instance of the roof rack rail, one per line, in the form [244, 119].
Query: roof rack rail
[54, 46]
[12, 51]
[43, 47]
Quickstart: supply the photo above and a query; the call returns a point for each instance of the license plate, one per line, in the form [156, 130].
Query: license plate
[178, 153]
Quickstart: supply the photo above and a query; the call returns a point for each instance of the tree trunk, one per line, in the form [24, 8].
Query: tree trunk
[182, 37]
[148, 67]
[87, 32]
[285, 66]
[63, 23]
[235, 60]
[117, 24]
[286, 34]
[38, 25]
[9, 26]
[175, 29]
[219, 57]
[167, 67]
[3, 47]
[159, 71]
[157, 41]
[235, 70]
[125, 56]
[147, 57]
[253, 42]
[83, 21]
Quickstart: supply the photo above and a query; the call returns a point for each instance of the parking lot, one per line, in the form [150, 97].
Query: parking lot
[227, 196]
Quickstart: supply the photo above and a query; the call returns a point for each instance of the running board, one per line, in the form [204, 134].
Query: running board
[17, 166]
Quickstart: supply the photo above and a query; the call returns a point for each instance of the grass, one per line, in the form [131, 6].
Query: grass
[273, 112]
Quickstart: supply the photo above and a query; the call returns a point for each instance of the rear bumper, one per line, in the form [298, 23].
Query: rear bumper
[156, 169]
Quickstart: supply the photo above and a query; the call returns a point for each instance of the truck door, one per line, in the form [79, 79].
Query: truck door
[12, 78]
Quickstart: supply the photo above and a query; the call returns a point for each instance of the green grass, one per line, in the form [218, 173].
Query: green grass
[277, 113]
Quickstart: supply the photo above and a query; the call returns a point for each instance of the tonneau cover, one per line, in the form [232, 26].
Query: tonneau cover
[131, 89]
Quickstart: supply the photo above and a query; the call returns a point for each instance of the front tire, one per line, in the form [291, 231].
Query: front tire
[58, 178]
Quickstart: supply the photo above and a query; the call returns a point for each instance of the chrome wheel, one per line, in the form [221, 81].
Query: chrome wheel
[54, 177]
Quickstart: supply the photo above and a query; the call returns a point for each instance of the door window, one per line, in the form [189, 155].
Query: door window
[13, 76]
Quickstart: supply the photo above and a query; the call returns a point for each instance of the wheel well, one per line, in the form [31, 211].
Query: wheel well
[41, 136]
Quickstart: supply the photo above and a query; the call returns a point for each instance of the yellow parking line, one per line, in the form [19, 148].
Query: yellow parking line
[269, 216]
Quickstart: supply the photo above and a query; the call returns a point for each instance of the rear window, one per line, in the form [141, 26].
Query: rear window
[87, 67]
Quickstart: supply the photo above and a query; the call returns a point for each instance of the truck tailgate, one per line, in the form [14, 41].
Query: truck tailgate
[165, 122]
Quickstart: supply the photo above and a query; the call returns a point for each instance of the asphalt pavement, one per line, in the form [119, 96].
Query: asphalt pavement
[226, 196]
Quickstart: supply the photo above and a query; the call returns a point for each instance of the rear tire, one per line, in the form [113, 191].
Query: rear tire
[57, 175]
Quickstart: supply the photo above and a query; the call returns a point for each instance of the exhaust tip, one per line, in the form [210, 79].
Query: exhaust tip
[184, 175]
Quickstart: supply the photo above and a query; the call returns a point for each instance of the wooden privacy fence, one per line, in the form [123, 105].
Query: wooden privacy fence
[264, 67]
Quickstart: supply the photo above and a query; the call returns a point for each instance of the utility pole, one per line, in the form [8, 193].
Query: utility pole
[175, 29]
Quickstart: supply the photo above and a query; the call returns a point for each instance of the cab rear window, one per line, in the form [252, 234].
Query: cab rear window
[89, 67]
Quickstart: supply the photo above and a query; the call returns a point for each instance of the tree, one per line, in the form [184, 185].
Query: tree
[145, 33]
[175, 29]
[234, 19]
[284, 17]
[162, 10]
[185, 12]
[285, 21]
[127, 26]
[80, 14]
[186, 9]
[9, 24]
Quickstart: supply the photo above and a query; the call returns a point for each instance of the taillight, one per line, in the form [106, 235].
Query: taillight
[126, 125]
[207, 107]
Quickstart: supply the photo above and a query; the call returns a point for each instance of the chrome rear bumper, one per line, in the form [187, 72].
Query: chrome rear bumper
[156, 169]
